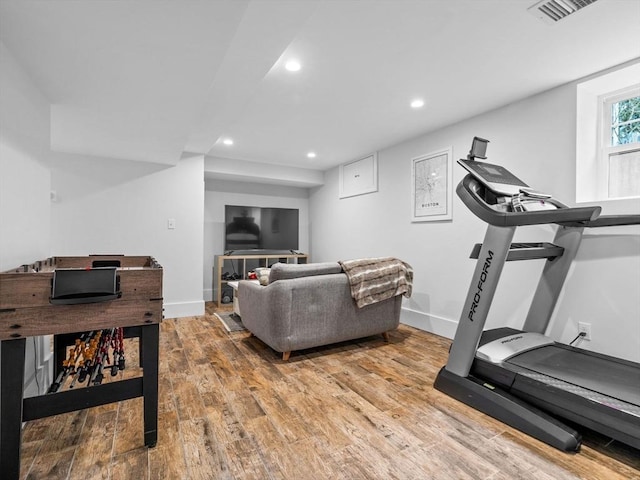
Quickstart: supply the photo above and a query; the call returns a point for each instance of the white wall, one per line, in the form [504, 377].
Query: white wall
[103, 205]
[24, 192]
[244, 171]
[24, 169]
[535, 138]
[223, 192]
[113, 206]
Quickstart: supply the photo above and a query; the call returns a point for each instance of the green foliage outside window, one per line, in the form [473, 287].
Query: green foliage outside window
[625, 121]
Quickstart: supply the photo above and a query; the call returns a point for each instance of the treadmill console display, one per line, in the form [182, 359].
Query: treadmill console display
[494, 177]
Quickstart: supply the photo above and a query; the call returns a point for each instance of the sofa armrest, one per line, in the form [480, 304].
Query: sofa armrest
[252, 297]
[265, 310]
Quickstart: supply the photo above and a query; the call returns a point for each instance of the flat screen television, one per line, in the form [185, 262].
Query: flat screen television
[258, 228]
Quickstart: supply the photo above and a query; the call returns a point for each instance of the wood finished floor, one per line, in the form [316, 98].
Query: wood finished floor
[230, 408]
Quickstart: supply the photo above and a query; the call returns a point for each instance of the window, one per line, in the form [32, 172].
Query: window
[608, 138]
[620, 147]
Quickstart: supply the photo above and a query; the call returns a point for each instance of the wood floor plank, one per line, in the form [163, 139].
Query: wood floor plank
[384, 367]
[395, 433]
[30, 450]
[245, 460]
[284, 419]
[93, 454]
[208, 385]
[225, 424]
[188, 400]
[166, 396]
[168, 429]
[449, 459]
[376, 391]
[54, 465]
[131, 464]
[306, 405]
[244, 405]
[129, 429]
[379, 466]
[313, 462]
[231, 408]
[167, 460]
[223, 367]
[204, 457]
[174, 360]
[351, 465]
[279, 459]
[65, 433]
[33, 439]
[598, 467]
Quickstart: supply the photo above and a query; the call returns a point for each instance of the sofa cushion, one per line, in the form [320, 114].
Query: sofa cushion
[284, 271]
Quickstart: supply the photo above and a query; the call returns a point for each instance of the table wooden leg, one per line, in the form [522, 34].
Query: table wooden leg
[11, 392]
[149, 340]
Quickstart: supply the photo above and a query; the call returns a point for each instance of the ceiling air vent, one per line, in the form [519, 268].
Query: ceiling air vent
[552, 11]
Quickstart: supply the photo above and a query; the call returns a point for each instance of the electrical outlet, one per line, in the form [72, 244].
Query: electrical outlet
[586, 328]
[171, 223]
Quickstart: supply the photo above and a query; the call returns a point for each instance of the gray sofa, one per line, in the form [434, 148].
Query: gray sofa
[310, 305]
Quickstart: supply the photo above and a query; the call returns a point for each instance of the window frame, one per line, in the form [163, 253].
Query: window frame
[588, 180]
[605, 149]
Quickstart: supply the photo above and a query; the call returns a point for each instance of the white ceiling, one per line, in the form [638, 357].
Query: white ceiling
[147, 80]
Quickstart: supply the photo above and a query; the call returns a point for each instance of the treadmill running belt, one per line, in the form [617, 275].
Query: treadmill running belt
[612, 378]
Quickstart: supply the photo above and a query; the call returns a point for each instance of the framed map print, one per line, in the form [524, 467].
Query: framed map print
[431, 186]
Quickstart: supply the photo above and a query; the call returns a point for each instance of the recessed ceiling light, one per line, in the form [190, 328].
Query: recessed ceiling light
[311, 155]
[293, 65]
[417, 103]
[227, 141]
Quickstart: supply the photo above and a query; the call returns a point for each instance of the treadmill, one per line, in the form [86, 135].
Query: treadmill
[522, 377]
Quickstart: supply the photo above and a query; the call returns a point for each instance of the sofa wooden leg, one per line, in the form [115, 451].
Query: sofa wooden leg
[385, 335]
[285, 356]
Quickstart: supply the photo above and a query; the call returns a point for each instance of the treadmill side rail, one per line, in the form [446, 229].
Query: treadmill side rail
[615, 423]
[509, 409]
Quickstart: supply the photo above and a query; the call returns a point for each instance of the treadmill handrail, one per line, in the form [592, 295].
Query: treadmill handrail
[613, 221]
[469, 192]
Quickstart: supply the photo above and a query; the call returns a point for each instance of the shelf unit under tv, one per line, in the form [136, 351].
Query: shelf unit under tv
[238, 264]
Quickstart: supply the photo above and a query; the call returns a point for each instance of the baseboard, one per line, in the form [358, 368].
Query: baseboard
[441, 326]
[184, 309]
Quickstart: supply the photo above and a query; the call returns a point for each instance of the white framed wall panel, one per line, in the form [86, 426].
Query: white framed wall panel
[359, 177]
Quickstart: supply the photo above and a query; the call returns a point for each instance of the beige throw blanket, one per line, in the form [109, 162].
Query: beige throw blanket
[375, 279]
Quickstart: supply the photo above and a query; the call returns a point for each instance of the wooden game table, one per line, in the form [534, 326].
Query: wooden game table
[29, 307]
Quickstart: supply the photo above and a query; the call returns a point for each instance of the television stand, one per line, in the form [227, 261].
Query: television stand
[261, 252]
[239, 262]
